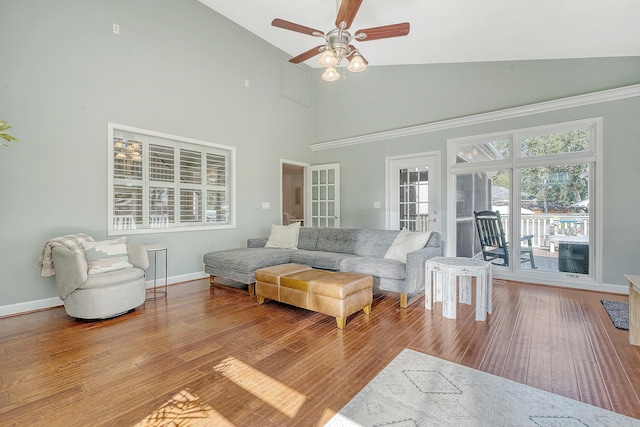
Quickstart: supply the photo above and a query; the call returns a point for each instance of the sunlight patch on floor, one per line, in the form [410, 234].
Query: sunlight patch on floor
[274, 393]
[327, 414]
[184, 409]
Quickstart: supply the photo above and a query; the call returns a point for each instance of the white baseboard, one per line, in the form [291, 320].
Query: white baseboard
[25, 307]
[616, 289]
[178, 279]
[28, 306]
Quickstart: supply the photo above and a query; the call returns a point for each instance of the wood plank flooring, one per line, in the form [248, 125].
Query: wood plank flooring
[210, 356]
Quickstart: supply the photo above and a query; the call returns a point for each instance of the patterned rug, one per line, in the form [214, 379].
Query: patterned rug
[416, 389]
[618, 312]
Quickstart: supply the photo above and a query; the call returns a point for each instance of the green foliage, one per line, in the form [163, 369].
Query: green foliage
[4, 126]
[556, 186]
[562, 184]
[566, 142]
[502, 180]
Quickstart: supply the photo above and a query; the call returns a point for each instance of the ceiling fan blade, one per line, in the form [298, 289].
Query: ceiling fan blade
[306, 55]
[385, 32]
[281, 23]
[347, 12]
[353, 51]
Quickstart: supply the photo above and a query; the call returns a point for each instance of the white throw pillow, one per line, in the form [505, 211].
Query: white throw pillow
[284, 236]
[106, 255]
[407, 241]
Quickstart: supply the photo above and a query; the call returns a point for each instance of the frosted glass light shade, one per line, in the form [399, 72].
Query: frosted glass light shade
[327, 59]
[330, 75]
[357, 64]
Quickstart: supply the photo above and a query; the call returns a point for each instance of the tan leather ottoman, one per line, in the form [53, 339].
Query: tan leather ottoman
[335, 294]
[268, 279]
[340, 295]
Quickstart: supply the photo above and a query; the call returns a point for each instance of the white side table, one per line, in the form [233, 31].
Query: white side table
[158, 293]
[444, 271]
[634, 309]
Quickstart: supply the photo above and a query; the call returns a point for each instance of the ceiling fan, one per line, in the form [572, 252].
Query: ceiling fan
[337, 44]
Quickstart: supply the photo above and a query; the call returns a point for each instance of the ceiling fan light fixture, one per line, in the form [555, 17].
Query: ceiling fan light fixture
[328, 59]
[330, 75]
[336, 45]
[357, 63]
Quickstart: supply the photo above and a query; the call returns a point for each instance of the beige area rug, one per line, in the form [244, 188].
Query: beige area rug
[416, 389]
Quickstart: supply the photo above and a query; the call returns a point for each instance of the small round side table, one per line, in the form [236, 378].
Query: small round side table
[162, 292]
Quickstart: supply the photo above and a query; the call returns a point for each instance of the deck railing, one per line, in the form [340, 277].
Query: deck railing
[543, 226]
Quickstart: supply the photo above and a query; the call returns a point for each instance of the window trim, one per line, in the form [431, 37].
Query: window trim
[113, 128]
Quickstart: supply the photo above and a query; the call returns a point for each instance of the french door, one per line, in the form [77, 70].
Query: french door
[413, 192]
[323, 189]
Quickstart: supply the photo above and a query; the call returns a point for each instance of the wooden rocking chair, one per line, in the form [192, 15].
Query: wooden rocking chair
[493, 242]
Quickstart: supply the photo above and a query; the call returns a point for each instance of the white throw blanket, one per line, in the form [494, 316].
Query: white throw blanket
[72, 242]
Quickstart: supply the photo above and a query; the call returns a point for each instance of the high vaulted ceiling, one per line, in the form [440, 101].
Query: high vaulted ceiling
[447, 31]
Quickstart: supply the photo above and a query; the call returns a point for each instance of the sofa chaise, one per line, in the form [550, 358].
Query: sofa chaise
[367, 251]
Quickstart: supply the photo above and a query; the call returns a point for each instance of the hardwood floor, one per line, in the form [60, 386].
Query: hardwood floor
[210, 356]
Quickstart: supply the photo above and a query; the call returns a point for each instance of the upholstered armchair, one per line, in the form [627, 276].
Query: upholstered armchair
[91, 293]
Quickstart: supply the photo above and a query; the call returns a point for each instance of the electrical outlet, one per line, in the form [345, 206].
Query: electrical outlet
[116, 29]
[376, 205]
[266, 205]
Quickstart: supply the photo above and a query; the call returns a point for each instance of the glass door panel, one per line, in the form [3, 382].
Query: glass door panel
[556, 212]
[324, 206]
[413, 193]
[481, 191]
[414, 198]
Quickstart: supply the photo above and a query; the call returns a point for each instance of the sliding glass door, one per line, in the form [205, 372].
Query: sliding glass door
[541, 183]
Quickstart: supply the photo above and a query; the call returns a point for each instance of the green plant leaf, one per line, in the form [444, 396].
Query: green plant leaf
[4, 126]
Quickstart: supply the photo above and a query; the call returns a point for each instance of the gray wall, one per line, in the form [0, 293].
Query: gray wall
[176, 67]
[393, 97]
[390, 98]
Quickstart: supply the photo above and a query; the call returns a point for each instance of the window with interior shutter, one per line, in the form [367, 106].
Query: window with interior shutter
[160, 182]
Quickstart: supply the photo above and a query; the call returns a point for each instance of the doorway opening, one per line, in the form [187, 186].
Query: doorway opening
[292, 193]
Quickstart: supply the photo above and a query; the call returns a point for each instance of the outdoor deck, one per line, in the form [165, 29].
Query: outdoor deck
[550, 231]
[545, 260]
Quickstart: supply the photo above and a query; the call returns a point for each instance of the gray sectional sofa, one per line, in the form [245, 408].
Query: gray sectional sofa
[337, 249]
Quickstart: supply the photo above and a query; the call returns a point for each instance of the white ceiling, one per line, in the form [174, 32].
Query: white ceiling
[446, 31]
